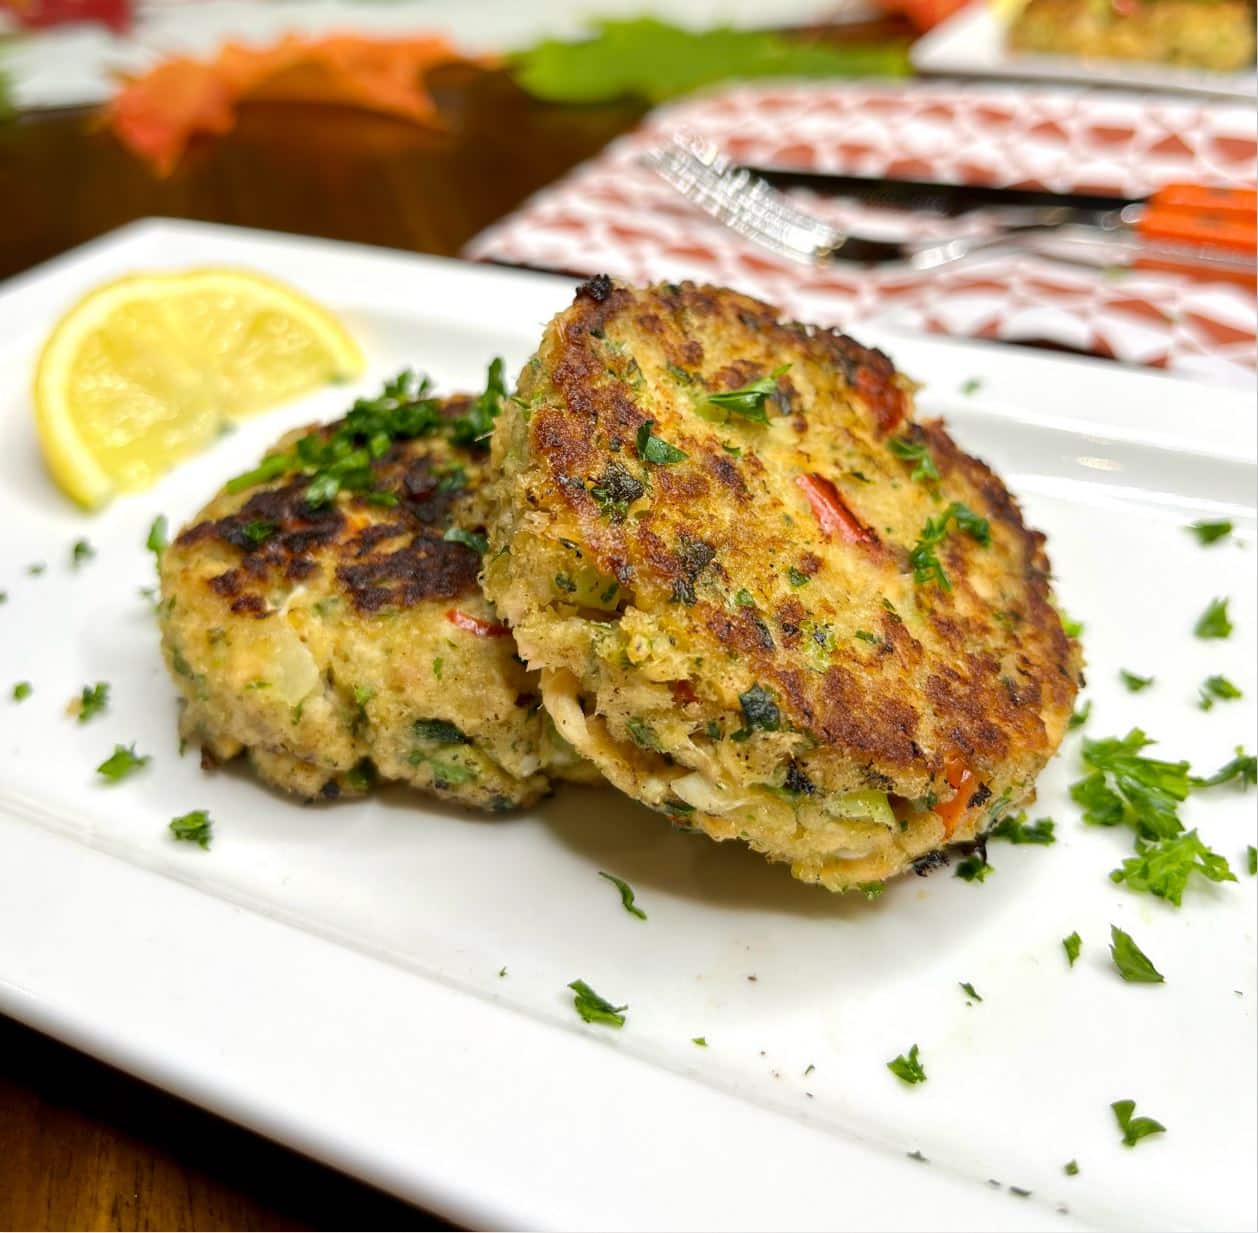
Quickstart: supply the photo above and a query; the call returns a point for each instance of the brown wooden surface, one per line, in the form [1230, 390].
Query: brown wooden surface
[82, 1146]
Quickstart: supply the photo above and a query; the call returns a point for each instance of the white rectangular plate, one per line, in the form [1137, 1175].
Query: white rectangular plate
[330, 975]
[972, 43]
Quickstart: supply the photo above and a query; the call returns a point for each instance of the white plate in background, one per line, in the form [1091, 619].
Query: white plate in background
[972, 43]
[330, 976]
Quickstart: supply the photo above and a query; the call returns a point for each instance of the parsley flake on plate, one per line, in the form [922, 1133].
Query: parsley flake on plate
[21, 691]
[1079, 716]
[1214, 621]
[595, 1009]
[626, 894]
[1217, 689]
[655, 449]
[122, 762]
[974, 869]
[972, 385]
[157, 541]
[1071, 1168]
[1132, 963]
[1072, 945]
[970, 991]
[1163, 868]
[1251, 860]
[92, 701]
[81, 553]
[701, 1041]
[1133, 682]
[1125, 786]
[908, 1068]
[195, 827]
[1210, 532]
[1243, 768]
[1134, 1128]
[36, 568]
[1016, 830]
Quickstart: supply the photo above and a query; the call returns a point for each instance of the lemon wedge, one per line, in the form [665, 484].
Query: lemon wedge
[149, 369]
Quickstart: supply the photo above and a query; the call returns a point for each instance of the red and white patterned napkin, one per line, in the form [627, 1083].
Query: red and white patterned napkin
[612, 215]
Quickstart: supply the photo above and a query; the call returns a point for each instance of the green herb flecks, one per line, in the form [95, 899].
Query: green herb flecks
[1071, 1167]
[797, 577]
[1163, 868]
[595, 1009]
[969, 991]
[924, 469]
[1251, 860]
[122, 762]
[1015, 828]
[972, 385]
[469, 539]
[1079, 716]
[748, 401]
[655, 449]
[760, 712]
[81, 553]
[92, 701]
[1132, 963]
[925, 560]
[1210, 532]
[157, 541]
[1243, 769]
[908, 1067]
[257, 532]
[974, 869]
[626, 894]
[1072, 945]
[1133, 682]
[1214, 621]
[1216, 689]
[1134, 1128]
[195, 827]
[643, 734]
[1124, 786]
[646, 58]
[439, 732]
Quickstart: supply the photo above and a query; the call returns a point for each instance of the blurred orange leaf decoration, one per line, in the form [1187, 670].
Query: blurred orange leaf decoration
[157, 114]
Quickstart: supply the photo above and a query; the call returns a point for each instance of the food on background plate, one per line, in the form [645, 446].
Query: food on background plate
[1206, 34]
[322, 614]
[764, 599]
[151, 368]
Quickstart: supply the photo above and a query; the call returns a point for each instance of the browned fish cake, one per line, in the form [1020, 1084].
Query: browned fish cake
[339, 641]
[764, 599]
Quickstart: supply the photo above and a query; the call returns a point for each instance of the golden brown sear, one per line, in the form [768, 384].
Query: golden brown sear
[344, 638]
[763, 598]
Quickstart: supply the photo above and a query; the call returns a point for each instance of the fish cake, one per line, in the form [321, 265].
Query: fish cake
[763, 598]
[322, 614]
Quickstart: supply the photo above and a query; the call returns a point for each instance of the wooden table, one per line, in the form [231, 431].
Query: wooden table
[81, 1145]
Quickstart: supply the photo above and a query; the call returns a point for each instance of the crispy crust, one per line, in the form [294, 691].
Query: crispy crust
[728, 581]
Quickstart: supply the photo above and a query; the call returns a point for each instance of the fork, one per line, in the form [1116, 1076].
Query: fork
[760, 213]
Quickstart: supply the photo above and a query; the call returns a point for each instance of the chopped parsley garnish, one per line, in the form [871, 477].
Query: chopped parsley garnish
[1134, 1128]
[1071, 1167]
[924, 470]
[1072, 945]
[748, 401]
[865, 636]
[1133, 682]
[22, 690]
[615, 491]
[917, 1155]
[195, 827]
[701, 1041]
[502, 972]
[970, 991]
[871, 890]
[1214, 622]
[595, 1009]
[734, 450]
[36, 568]
[655, 449]
[1217, 689]
[257, 532]
[122, 762]
[908, 1067]
[1126, 787]
[972, 385]
[1210, 532]
[438, 731]
[341, 460]
[744, 598]
[469, 539]
[759, 710]
[1014, 827]
[1079, 716]
[1132, 963]
[1251, 860]
[974, 869]
[924, 559]
[1243, 768]
[797, 577]
[626, 894]
[93, 700]
[643, 734]
[1163, 868]
[81, 553]
[808, 1070]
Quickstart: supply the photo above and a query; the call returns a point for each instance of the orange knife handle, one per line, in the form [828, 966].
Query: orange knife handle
[1200, 197]
[1235, 232]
